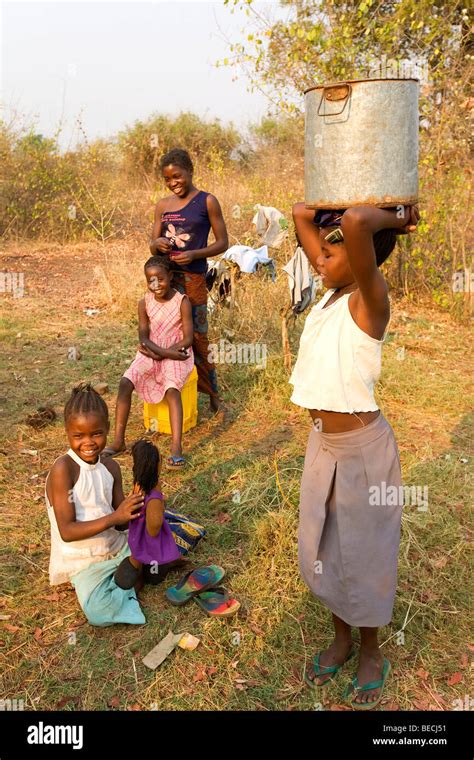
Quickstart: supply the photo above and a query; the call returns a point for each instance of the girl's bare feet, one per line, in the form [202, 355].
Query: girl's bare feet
[336, 654]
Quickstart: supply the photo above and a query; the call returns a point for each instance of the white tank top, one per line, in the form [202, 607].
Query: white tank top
[338, 364]
[92, 496]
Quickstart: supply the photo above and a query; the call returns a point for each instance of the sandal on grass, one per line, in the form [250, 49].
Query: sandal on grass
[354, 687]
[175, 463]
[193, 583]
[216, 602]
[323, 670]
[109, 452]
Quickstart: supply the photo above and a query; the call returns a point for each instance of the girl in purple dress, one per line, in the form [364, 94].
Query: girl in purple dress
[152, 545]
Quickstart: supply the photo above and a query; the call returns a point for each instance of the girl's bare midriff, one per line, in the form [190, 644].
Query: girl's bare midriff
[341, 422]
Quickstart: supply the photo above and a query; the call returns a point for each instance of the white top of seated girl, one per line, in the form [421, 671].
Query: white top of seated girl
[92, 497]
[338, 364]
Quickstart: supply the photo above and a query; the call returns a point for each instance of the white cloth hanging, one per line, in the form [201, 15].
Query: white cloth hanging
[268, 223]
[246, 258]
[301, 282]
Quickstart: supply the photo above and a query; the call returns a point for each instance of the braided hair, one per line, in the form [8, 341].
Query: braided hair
[85, 400]
[177, 157]
[158, 261]
[146, 459]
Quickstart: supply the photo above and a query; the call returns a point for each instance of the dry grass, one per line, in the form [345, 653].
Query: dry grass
[256, 660]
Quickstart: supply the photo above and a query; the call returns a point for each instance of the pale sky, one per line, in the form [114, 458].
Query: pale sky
[115, 62]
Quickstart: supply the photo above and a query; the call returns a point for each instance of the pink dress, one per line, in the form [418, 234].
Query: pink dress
[152, 378]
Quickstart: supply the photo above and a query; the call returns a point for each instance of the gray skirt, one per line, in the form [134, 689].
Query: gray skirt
[348, 535]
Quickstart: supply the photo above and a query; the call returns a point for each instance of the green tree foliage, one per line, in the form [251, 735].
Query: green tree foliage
[144, 143]
[95, 191]
[322, 41]
[34, 176]
[276, 132]
[49, 194]
[329, 40]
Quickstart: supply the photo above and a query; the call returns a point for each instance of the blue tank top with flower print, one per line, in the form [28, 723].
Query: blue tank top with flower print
[187, 229]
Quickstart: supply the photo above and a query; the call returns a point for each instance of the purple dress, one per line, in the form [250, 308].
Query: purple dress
[147, 549]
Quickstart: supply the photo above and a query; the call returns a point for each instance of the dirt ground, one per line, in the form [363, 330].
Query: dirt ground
[243, 484]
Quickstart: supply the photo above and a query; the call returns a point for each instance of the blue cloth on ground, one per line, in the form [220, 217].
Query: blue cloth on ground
[102, 601]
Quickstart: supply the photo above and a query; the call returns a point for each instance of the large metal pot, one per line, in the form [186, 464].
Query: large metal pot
[361, 143]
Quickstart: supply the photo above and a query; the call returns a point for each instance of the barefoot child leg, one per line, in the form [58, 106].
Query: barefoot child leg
[122, 411]
[175, 405]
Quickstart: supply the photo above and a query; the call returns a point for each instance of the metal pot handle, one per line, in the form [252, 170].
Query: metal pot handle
[342, 91]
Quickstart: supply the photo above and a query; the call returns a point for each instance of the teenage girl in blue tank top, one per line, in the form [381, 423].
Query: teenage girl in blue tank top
[182, 224]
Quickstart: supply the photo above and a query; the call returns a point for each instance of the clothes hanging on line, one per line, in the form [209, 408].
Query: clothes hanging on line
[250, 259]
[218, 283]
[303, 285]
[271, 225]
[218, 275]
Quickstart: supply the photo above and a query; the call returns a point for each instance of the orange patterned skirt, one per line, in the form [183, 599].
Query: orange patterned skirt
[194, 285]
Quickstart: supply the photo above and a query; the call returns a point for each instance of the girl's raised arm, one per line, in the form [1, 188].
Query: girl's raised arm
[116, 472]
[359, 225]
[118, 497]
[306, 232]
[117, 493]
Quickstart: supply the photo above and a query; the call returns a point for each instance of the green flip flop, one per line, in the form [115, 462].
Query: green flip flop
[323, 670]
[194, 583]
[355, 687]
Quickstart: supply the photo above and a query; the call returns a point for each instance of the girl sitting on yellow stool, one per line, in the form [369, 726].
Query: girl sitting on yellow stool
[164, 358]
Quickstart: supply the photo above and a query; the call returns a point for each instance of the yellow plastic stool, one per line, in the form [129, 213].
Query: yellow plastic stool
[156, 417]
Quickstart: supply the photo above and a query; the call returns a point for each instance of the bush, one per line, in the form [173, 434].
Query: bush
[208, 142]
[35, 178]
